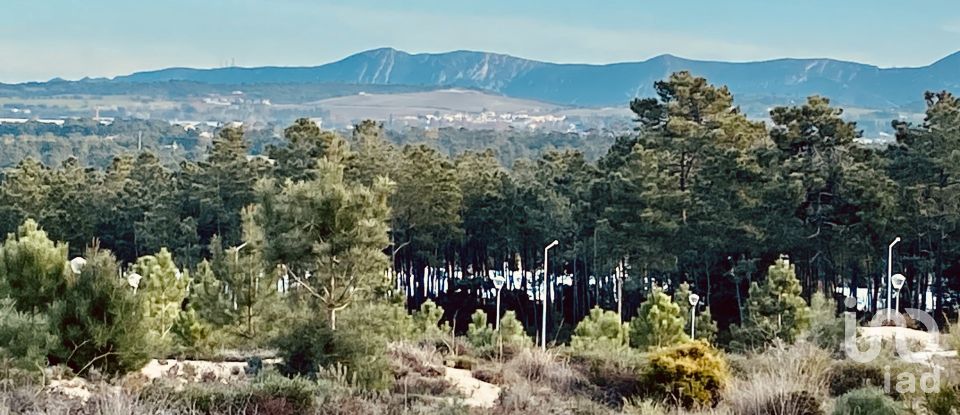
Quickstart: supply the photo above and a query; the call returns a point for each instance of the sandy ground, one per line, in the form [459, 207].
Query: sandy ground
[478, 393]
[931, 345]
[195, 370]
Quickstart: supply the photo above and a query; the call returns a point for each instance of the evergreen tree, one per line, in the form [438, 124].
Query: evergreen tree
[512, 333]
[774, 310]
[480, 334]
[163, 289]
[305, 144]
[99, 319]
[329, 235]
[251, 290]
[26, 338]
[659, 323]
[601, 331]
[32, 268]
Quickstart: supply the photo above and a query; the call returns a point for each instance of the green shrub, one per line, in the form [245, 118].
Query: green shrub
[358, 346]
[25, 339]
[480, 334]
[774, 310]
[826, 327]
[601, 331]
[427, 322]
[659, 323]
[847, 375]
[269, 394]
[512, 332]
[867, 401]
[692, 374]
[943, 402]
[99, 319]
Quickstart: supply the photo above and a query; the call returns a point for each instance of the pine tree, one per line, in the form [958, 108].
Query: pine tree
[329, 236]
[99, 319]
[658, 323]
[32, 268]
[480, 333]
[601, 331]
[428, 321]
[305, 144]
[774, 310]
[250, 289]
[163, 289]
[512, 332]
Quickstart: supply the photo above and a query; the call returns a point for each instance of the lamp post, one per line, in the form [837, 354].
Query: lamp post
[546, 279]
[890, 273]
[897, 281]
[498, 281]
[694, 300]
[618, 283]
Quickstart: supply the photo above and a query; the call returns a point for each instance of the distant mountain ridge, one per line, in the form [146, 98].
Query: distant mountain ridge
[847, 83]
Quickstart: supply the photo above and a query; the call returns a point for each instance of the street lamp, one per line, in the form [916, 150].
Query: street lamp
[546, 279]
[897, 281]
[890, 273]
[694, 300]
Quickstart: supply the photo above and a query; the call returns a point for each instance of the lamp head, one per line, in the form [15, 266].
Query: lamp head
[553, 244]
[498, 281]
[897, 281]
[694, 299]
[76, 265]
[134, 279]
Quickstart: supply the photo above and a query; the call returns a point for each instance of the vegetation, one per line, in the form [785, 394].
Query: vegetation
[364, 267]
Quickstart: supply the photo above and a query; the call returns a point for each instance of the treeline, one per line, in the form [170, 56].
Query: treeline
[95, 144]
[698, 194]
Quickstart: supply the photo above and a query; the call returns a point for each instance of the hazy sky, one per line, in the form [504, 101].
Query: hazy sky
[41, 39]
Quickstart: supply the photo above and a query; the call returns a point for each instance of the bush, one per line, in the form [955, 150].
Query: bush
[659, 323]
[764, 393]
[826, 327]
[543, 369]
[865, 401]
[311, 348]
[481, 336]
[25, 339]
[100, 320]
[616, 376]
[944, 401]
[266, 395]
[692, 374]
[848, 375]
[602, 332]
[512, 332]
[427, 321]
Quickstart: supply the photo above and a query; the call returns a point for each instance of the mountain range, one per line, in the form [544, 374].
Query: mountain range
[775, 81]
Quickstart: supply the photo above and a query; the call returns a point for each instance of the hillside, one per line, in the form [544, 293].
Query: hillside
[781, 80]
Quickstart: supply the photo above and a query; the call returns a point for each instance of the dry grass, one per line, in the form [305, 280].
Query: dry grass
[418, 370]
[782, 380]
[545, 369]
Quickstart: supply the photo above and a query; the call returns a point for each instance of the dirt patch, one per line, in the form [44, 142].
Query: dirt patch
[479, 394]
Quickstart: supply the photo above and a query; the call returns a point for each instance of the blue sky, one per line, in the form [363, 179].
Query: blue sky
[41, 39]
